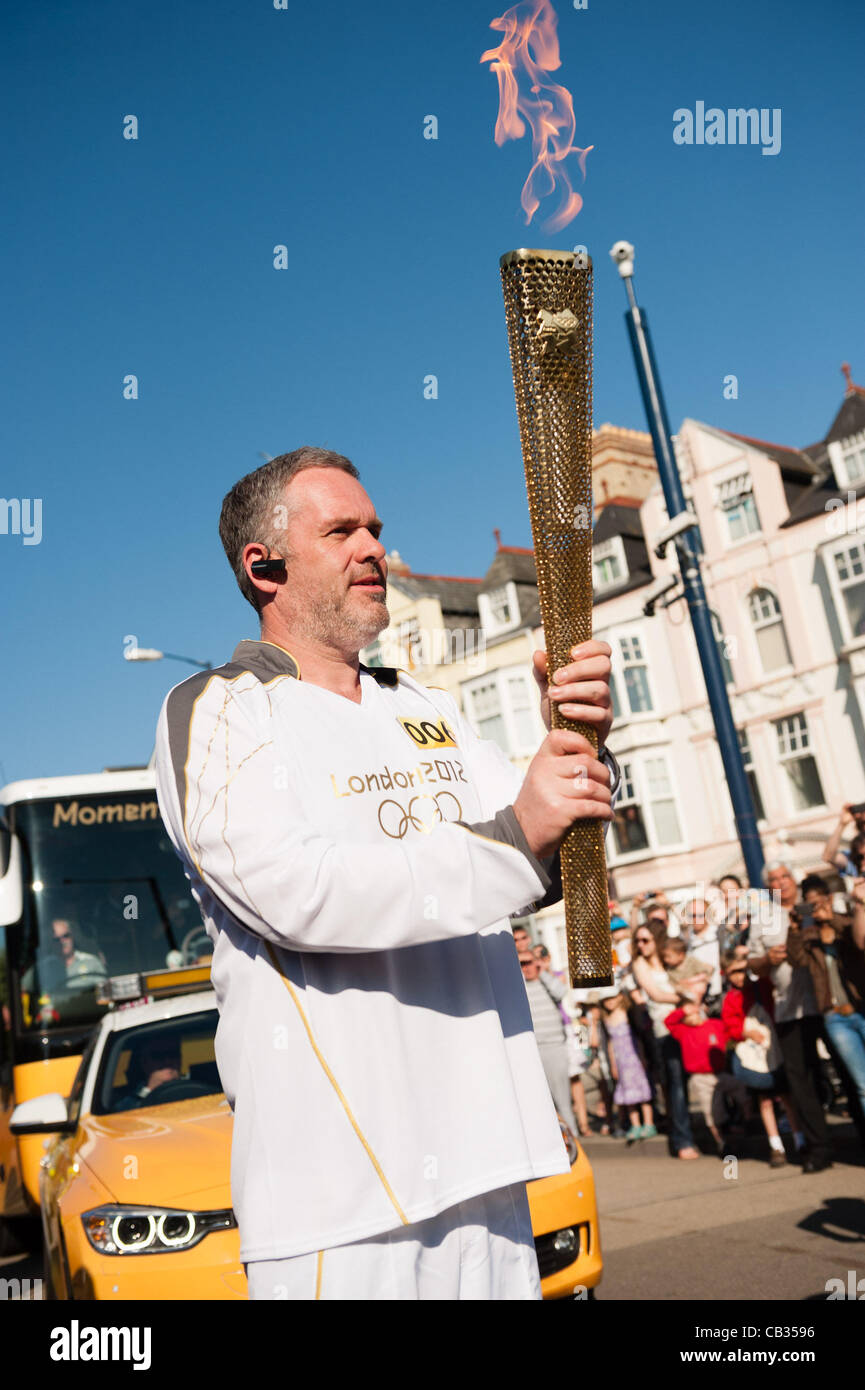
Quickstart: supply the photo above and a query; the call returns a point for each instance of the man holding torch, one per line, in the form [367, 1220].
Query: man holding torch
[357, 851]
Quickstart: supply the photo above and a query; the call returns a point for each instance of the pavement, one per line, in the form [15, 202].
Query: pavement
[732, 1229]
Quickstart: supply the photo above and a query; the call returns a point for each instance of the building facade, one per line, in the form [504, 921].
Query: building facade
[782, 532]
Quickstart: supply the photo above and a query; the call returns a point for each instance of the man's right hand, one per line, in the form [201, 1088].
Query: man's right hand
[565, 783]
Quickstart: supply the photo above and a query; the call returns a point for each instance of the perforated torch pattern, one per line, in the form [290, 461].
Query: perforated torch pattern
[548, 303]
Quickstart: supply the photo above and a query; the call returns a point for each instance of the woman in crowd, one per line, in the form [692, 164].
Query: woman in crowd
[662, 996]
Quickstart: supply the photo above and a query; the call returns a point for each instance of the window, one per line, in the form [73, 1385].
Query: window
[614, 698]
[769, 630]
[487, 712]
[722, 650]
[853, 459]
[850, 569]
[608, 563]
[646, 816]
[636, 675]
[794, 743]
[660, 793]
[735, 498]
[750, 773]
[503, 706]
[409, 641]
[629, 831]
[499, 609]
[373, 654]
[522, 710]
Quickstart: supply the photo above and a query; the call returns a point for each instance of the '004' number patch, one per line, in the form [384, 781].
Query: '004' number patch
[428, 734]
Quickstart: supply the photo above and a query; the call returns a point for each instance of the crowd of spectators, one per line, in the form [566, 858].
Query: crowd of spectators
[731, 1008]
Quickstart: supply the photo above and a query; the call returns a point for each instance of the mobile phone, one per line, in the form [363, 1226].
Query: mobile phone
[804, 915]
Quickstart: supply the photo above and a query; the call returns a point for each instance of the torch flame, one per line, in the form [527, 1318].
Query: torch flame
[528, 51]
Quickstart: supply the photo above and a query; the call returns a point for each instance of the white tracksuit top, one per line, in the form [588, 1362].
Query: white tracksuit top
[375, 1040]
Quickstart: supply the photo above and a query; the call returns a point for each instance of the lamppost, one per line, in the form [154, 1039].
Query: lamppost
[151, 654]
[681, 534]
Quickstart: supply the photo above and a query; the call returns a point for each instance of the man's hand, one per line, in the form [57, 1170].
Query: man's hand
[565, 783]
[857, 891]
[581, 690]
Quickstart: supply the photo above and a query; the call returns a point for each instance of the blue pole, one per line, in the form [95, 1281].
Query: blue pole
[692, 581]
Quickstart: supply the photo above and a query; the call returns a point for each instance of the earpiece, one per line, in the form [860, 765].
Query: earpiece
[266, 569]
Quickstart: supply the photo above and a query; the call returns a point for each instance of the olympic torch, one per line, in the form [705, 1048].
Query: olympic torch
[548, 304]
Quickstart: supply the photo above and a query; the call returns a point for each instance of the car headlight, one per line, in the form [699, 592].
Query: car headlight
[570, 1143]
[119, 1230]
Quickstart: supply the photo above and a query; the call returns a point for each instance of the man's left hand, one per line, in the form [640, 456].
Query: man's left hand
[581, 689]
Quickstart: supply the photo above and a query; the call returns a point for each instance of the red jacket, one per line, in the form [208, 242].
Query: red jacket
[737, 1002]
[703, 1044]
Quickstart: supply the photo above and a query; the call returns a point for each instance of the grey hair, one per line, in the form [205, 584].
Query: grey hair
[774, 864]
[251, 510]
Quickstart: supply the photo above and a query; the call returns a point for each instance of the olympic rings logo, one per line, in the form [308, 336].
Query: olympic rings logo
[396, 821]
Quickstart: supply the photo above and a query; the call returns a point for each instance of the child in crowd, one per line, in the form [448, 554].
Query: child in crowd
[682, 968]
[633, 1092]
[703, 1043]
[756, 1059]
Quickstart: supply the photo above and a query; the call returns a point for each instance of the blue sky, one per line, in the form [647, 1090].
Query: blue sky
[305, 127]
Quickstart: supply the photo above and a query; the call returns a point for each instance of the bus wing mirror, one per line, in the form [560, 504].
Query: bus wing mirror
[42, 1115]
[11, 894]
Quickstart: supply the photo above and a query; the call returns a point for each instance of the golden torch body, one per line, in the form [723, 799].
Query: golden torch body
[548, 303]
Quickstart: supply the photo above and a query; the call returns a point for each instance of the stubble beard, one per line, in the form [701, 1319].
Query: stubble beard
[330, 621]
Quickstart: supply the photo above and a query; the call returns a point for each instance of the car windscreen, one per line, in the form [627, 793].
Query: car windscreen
[158, 1063]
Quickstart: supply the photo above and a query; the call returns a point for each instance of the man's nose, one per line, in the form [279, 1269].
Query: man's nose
[372, 549]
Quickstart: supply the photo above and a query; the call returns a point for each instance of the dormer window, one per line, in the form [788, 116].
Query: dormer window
[735, 498]
[499, 609]
[847, 457]
[500, 606]
[609, 565]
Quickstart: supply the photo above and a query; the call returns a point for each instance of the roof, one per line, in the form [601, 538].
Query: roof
[175, 1006]
[795, 460]
[454, 595]
[850, 419]
[79, 784]
[511, 563]
[616, 520]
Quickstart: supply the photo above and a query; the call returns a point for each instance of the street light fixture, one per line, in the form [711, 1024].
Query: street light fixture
[681, 531]
[151, 654]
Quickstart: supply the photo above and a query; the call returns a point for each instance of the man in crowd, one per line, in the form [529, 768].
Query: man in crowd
[545, 992]
[701, 940]
[797, 1019]
[357, 852]
[831, 946]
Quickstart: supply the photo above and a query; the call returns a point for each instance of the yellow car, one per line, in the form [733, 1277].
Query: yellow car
[134, 1185]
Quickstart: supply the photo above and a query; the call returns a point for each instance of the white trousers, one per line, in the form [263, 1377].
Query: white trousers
[480, 1249]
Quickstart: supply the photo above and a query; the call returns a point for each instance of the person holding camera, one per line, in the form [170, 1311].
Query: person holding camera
[849, 859]
[831, 946]
[798, 1022]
